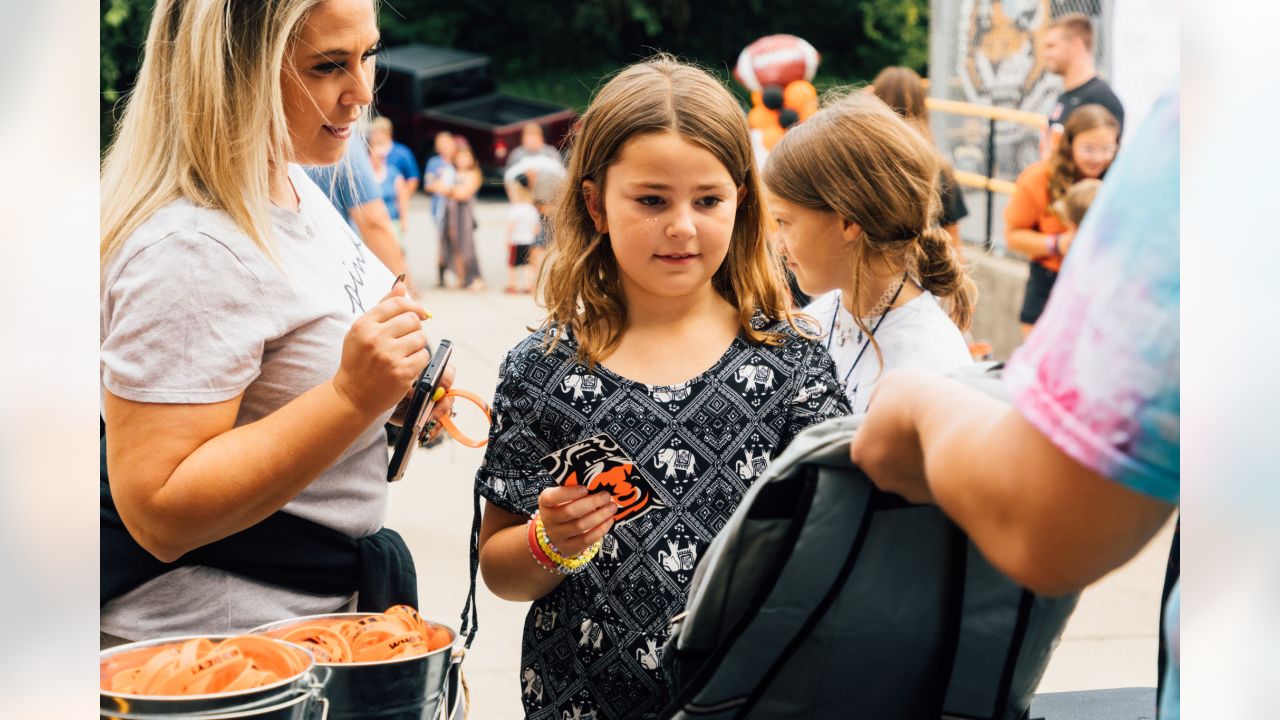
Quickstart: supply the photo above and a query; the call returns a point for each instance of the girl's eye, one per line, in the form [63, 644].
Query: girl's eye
[649, 200]
[711, 201]
[372, 51]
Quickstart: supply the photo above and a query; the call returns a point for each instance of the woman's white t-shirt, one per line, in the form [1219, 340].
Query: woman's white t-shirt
[193, 312]
[918, 334]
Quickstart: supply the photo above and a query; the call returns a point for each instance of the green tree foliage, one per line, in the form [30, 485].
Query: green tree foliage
[897, 33]
[122, 34]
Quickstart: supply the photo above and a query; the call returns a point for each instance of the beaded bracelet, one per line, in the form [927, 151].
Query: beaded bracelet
[565, 565]
[543, 561]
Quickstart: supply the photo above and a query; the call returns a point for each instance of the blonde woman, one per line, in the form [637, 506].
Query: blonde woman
[251, 351]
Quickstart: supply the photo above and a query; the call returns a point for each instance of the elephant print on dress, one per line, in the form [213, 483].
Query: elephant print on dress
[578, 714]
[650, 657]
[754, 375]
[609, 547]
[676, 460]
[580, 384]
[752, 466]
[809, 393]
[592, 634]
[532, 684]
[670, 394]
[680, 558]
[545, 621]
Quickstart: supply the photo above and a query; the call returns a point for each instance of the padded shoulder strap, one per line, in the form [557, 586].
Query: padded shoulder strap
[826, 544]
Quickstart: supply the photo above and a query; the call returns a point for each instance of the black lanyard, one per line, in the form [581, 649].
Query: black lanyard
[874, 329]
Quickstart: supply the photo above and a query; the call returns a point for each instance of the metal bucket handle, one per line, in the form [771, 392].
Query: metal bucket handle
[453, 683]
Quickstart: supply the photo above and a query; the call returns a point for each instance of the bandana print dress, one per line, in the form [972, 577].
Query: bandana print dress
[592, 647]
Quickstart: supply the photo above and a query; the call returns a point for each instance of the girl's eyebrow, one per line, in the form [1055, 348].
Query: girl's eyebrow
[664, 186]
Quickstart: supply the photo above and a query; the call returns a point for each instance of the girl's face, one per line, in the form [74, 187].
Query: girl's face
[815, 243]
[668, 207]
[379, 147]
[1093, 150]
[327, 79]
[464, 160]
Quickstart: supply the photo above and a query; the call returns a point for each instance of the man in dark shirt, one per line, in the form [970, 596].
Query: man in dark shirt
[1068, 51]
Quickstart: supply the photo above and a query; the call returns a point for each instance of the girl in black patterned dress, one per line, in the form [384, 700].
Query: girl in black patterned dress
[669, 347]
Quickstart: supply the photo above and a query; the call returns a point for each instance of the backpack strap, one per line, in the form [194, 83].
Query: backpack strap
[736, 673]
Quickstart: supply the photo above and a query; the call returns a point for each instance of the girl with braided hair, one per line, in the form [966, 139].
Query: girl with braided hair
[854, 191]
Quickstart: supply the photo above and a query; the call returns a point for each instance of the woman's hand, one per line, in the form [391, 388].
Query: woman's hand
[383, 353]
[574, 519]
[887, 445]
[442, 407]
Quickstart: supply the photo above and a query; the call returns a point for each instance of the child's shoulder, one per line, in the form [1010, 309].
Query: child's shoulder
[798, 335]
[537, 348]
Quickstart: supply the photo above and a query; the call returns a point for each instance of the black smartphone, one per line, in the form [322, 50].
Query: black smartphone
[419, 409]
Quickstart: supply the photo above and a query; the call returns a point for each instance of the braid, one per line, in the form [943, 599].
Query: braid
[941, 273]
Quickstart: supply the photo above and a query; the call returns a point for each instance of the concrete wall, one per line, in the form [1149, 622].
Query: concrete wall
[1001, 282]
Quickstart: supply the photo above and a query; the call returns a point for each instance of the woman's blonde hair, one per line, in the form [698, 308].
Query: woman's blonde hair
[205, 120]
[1062, 166]
[859, 159]
[581, 288]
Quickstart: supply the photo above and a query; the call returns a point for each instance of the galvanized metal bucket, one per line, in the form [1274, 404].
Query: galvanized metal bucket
[414, 688]
[294, 698]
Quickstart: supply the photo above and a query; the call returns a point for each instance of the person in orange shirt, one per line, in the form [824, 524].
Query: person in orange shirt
[1089, 144]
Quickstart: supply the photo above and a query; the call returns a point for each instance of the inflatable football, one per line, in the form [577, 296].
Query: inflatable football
[776, 60]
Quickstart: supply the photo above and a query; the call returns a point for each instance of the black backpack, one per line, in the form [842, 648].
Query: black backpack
[826, 598]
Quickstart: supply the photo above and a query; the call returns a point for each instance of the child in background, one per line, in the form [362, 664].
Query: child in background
[1072, 207]
[524, 225]
[854, 190]
[669, 329]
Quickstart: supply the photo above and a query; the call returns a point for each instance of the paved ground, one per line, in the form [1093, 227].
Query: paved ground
[1111, 641]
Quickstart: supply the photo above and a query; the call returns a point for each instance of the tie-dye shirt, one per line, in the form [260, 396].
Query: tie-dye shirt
[1099, 374]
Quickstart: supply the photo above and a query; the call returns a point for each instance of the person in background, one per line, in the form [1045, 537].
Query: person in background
[400, 157]
[902, 89]
[1073, 206]
[1068, 51]
[1080, 472]
[525, 222]
[391, 184]
[460, 219]
[353, 190]
[532, 142]
[440, 176]
[1088, 146]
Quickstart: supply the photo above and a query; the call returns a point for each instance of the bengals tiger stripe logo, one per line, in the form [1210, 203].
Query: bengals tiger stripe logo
[602, 465]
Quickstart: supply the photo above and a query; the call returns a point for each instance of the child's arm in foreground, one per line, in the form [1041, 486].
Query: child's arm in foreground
[574, 521]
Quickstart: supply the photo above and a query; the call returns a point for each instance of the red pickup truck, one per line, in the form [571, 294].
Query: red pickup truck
[426, 89]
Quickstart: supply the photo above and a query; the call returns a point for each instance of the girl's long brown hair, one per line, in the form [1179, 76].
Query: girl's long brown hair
[581, 288]
[1062, 167]
[859, 159]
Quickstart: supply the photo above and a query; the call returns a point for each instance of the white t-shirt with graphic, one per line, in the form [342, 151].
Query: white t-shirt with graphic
[525, 219]
[193, 312]
[919, 334]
